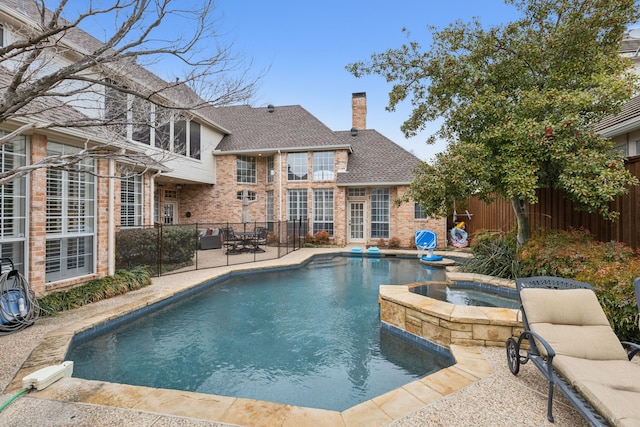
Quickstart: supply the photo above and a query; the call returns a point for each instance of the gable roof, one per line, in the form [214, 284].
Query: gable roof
[288, 128]
[376, 160]
[628, 119]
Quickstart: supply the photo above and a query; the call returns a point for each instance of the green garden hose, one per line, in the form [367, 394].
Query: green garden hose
[14, 397]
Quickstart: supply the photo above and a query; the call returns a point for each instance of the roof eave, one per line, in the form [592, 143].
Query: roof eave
[371, 184]
[282, 149]
[620, 128]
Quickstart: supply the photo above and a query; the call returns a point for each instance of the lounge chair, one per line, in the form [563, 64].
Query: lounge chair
[571, 342]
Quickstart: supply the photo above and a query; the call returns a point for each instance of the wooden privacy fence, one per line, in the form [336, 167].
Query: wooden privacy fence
[554, 211]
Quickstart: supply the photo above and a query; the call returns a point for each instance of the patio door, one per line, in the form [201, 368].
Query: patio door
[169, 213]
[355, 220]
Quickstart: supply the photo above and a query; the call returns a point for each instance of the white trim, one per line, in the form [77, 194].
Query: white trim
[111, 225]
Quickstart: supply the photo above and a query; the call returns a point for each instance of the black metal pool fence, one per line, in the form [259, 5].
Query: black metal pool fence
[169, 248]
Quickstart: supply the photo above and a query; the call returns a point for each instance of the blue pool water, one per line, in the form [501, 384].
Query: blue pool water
[309, 337]
[481, 295]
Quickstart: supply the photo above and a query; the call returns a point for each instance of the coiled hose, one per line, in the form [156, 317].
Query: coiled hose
[18, 305]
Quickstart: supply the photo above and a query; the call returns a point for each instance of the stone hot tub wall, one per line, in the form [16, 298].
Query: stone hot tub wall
[446, 324]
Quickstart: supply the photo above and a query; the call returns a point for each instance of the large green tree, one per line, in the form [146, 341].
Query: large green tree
[518, 103]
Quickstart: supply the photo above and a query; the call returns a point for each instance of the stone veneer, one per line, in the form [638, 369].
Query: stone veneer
[449, 324]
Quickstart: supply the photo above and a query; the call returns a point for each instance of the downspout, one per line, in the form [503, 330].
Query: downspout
[111, 233]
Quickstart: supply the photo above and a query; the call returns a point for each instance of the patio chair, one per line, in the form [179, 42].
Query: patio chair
[571, 342]
[260, 239]
[230, 241]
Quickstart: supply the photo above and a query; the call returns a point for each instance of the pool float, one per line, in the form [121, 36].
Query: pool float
[459, 237]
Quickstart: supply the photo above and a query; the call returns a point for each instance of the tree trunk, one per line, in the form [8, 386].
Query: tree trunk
[524, 228]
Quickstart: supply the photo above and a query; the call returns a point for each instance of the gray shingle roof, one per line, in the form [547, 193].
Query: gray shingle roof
[629, 44]
[630, 114]
[287, 127]
[375, 159]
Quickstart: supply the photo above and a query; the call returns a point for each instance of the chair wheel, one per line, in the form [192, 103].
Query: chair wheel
[513, 356]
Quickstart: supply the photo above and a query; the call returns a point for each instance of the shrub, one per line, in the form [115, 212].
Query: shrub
[322, 237]
[381, 243]
[136, 247]
[139, 247]
[609, 267]
[121, 282]
[394, 243]
[494, 255]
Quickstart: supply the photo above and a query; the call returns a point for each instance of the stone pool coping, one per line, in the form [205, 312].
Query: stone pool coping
[470, 367]
[449, 324]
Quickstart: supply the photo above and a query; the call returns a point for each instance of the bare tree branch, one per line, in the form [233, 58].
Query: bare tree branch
[54, 75]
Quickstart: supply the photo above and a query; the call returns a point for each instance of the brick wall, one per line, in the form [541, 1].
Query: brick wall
[219, 203]
[359, 110]
[38, 219]
[37, 216]
[102, 218]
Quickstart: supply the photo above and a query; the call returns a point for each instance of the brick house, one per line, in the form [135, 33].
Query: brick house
[59, 225]
[294, 167]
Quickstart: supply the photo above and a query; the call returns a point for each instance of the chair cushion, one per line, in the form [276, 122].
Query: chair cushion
[611, 386]
[572, 322]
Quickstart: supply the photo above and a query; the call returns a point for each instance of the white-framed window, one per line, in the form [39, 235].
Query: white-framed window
[417, 212]
[140, 117]
[115, 108]
[251, 195]
[131, 201]
[380, 208]
[297, 166]
[70, 224]
[270, 208]
[297, 205]
[1, 36]
[194, 140]
[323, 166]
[156, 205]
[270, 168]
[246, 169]
[323, 210]
[356, 192]
[13, 203]
[150, 124]
[162, 119]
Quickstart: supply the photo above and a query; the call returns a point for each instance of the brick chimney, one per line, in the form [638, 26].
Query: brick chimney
[359, 110]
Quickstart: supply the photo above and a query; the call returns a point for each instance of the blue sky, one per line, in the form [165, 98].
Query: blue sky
[306, 46]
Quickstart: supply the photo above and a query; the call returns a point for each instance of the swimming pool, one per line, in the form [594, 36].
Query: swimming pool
[308, 336]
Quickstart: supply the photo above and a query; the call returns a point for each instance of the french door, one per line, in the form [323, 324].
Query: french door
[355, 218]
[169, 214]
